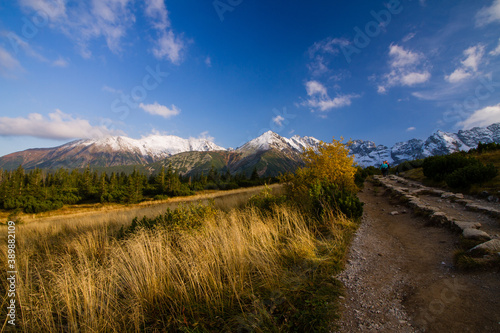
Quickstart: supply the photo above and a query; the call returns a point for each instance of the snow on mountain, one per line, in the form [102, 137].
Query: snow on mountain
[442, 143]
[366, 152]
[155, 146]
[406, 151]
[120, 150]
[271, 140]
[439, 143]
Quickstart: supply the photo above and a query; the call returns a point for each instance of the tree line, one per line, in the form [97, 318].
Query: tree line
[34, 191]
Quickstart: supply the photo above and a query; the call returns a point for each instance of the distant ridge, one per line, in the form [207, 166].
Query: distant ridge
[269, 153]
[439, 143]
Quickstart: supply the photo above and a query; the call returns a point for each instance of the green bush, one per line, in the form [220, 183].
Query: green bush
[464, 177]
[184, 217]
[439, 167]
[329, 197]
[265, 200]
[485, 147]
[361, 175]
[409, 165]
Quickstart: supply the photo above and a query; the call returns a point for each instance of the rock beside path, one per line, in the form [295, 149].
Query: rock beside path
[492, 246]
[471, 233]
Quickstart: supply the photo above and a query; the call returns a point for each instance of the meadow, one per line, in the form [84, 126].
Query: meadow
[241, 270]
[226, 264]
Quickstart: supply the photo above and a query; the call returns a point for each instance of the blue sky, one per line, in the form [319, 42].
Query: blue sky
[229, 70]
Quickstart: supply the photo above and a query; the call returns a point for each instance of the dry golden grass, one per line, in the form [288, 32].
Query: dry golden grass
[77, 277]
[100, 213]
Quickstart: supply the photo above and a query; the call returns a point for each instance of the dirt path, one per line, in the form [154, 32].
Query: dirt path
[400, 276]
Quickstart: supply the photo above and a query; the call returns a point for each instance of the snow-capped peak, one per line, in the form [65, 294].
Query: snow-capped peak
[156, 146]
[273, 140]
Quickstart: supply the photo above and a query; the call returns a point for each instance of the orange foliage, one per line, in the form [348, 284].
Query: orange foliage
[331, 163]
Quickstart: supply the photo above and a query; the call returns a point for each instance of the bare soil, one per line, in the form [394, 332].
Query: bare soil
[400, 275]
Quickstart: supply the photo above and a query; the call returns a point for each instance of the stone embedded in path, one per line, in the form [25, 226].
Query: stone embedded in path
[492, 246]
[394, 213]
[440, 218]
[437, 192]
[479, 208]
[471, 233]
[461, 226]
[453, 196]
[464, 202]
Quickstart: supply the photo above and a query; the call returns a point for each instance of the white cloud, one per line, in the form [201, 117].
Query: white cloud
[111, 90]
[409, 37]
[474, 55]
[328, 45]
[19, 43]
[87, 21]
[411, 79]
[160, 110]
[488, 15]
[482, 117]
[403, 58]
[314, 87]
[278, 120]
[60, 62]
[8, 64]
[208, 61]
[168, 45]
[410, 129]
[322, 52]
[469, 66]
[408, 68]
[205, 135]
[319, 99]
[53, 9]
[156, 10]
[458, 75]
[496, 51]
[329, 103]
[58, 126]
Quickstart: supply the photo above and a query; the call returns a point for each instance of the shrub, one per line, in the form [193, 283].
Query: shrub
[362, 174]
[326, 183]
[184, 217]
[464, 177]
[331, 162]
[265, 200]
[326, 197]
[439, 167]
[409, 165]
[485, 147]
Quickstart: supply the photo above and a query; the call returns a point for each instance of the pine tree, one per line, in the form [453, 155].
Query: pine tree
[255, 175]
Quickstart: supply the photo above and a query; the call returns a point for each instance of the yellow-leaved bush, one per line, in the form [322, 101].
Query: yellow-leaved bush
[326, 182]
[332, 163]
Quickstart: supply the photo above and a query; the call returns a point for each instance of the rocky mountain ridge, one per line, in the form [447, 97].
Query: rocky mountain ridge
[270, 153]
[439, 143]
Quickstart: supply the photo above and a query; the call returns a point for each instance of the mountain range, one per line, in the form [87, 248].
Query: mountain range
[269, 153]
